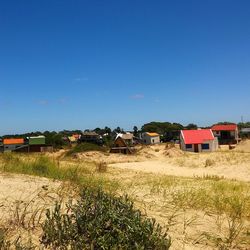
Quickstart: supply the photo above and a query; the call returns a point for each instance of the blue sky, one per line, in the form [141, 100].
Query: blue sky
[85, 64]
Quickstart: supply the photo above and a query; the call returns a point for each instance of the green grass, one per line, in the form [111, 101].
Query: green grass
[225, 202]
[100, 220]
[43, 166]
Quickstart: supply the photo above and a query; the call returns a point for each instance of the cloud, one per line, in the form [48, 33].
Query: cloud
[43, 102]
[81, 79]
[62, 100]
[137, 96]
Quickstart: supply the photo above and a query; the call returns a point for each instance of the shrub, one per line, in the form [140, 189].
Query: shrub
[209, 162]
[4, 244]
[102, 221]
[85, 147]
[101, 167]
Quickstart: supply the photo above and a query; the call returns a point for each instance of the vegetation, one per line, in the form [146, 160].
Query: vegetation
[224, 201]
[86, 147]
[161, 127]
[102, 221]
[44, 166]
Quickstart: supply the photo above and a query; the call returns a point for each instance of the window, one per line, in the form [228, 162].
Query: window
[205, 146]
[188, 145]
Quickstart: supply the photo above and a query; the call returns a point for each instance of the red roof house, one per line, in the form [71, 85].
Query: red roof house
[226, 133]
[224, 127]
[198, 140]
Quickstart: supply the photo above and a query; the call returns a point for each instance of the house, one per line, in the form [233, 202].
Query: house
[200, 140]
[1, 145]
[245, 133]
[13, 144]
[150, 138]
[127, 137]
[36, 143]
[91, 136]
[72, 139]
[121, 146]
[226, 133]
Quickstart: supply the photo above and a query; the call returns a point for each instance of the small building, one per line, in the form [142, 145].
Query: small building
[36, 143]
[150, 138]
[36, 140]
[245, 133]
[226, 133]
[127, 137]
[72, 139]
[200, 140]
[13, 144]
[120, 146]
[92, 137]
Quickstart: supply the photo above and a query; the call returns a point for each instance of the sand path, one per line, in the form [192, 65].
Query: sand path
[235, 172]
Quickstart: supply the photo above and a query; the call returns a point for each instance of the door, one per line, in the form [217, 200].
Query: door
[196, 148]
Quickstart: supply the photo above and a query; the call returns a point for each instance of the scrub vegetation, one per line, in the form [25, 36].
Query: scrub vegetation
[198, 211]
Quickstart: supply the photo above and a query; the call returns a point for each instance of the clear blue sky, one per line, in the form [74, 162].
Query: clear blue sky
[86, 64]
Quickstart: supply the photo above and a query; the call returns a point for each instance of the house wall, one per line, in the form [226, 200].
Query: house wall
[213, 145]
[39, 140]
[119, 143]
[11, 147]
[234, 136]
[150, 139]
[183, 145]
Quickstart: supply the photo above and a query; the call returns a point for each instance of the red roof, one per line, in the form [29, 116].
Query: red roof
[197, 136]
[226, 127]
[13, 141]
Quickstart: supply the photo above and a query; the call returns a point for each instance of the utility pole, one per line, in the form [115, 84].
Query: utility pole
[242, 120]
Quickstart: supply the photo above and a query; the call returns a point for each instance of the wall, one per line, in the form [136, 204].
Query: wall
[150, 139]
[213, 146]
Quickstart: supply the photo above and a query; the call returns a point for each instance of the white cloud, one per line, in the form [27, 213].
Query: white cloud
[81, 79]
[137, 96]
[43, 102]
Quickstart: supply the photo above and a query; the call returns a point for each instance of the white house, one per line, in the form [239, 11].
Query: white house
[150, 138]
[200, 140]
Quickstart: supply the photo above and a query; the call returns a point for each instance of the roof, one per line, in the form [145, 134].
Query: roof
[72, 139]
[36, 137]
[127, 136]
[13, 141]
[224, 127]
[152, 134]
[197, 136]
[90, 133]
[76, 136]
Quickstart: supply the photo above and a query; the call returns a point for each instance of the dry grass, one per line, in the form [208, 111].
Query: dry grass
[206, 210]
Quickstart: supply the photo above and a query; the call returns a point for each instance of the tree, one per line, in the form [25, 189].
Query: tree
[135, 131]
[191, 126]
[118, 130]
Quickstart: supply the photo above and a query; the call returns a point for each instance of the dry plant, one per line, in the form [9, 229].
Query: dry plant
[101, 167]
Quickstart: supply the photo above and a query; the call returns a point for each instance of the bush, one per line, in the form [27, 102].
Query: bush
[102, 221]
[85, 147]
[209, 162]
[101, 167]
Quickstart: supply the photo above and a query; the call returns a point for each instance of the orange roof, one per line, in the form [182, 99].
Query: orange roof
[13, 141]
[152, 134]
